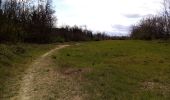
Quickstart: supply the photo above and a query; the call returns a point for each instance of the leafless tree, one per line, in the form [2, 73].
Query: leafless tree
[0, 2]
[166, 15]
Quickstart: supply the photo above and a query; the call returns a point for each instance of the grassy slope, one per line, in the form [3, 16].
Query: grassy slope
[14, 59]
[120, 70]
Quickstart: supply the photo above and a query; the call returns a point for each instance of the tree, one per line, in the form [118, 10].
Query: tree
[166, 15]
[149, 28]
[0, 9]
[0, 3]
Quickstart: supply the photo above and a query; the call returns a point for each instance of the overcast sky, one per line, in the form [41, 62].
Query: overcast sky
[113, 16]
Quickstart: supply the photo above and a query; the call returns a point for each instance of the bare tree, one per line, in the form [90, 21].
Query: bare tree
[166, 15]
[0, 3]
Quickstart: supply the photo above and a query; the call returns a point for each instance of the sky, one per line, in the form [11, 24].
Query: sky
[114, 17]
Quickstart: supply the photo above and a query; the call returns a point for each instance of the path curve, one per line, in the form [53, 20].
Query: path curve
[37, 82]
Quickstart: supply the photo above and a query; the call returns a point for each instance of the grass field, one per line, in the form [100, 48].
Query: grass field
[14, 60]
[118, 70]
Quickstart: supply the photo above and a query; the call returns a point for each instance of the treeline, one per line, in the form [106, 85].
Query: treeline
[154, 27]
[34, 21]
[151, 28]
[75, 33]
[25, 20]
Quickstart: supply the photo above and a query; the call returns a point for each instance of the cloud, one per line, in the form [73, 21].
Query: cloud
[120, 28]
[133, 15]
[105, 15]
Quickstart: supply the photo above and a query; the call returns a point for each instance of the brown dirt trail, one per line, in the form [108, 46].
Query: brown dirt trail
[42, 82]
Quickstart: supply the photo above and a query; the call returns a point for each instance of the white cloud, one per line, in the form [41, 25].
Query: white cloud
[101, 15]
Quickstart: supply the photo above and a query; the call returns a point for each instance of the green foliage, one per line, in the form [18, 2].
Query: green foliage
[11, 32]
[59, 39]
[120, 70]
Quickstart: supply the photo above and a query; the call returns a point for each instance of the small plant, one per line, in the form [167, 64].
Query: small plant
[54, 57]
[68, 54]
[19, 50]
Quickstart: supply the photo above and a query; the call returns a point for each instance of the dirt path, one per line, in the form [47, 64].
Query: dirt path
[42, 81]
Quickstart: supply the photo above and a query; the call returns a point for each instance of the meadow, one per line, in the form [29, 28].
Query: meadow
[118, 69]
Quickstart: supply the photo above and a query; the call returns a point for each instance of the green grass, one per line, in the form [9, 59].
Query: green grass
[14, 60]
[120, 70]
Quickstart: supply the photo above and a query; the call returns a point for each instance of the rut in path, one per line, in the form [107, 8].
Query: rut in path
[42, 82]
